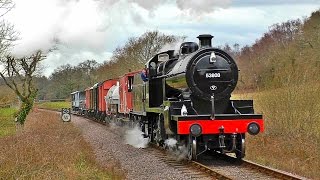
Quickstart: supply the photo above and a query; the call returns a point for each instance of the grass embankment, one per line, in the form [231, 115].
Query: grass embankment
[292, 130]
[47, 148]
[53, 105]
[7, 124]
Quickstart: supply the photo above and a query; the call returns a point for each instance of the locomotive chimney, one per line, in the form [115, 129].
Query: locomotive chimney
[205, 40]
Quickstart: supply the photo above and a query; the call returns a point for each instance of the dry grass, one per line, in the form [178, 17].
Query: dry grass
[49, 149]
[292, 130]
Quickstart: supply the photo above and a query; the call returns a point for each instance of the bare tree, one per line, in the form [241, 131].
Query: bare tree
[7, 33]
[18, 75]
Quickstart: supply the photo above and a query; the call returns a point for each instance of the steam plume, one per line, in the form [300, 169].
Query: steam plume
[86, 29]
[134, 137]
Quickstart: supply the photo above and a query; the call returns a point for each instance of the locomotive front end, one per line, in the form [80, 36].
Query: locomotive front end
[202, 80]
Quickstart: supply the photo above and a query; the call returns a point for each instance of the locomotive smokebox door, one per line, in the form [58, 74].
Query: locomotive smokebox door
[66, 114]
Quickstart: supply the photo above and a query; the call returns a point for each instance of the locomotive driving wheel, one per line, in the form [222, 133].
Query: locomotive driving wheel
[192, 147]
[159, 131]
[241, 147]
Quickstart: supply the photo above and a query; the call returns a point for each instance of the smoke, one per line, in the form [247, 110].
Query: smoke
[195, 6]
[181, 153]
[177, 152]
[134, 137]
[202, 6]
[88, 29]
[73, 24]
[148, 5]
[171, 143]
[113, 126]
[172, 46]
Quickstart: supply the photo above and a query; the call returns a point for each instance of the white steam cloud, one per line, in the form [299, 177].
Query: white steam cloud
[195, 6]
[92, 29]
[135, 138]
[172, 46]
[202, 6]
[171, 143]
[178, 152]
[88, 29]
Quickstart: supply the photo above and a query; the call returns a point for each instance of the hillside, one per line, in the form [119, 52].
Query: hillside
[282, 69]
[288, 54]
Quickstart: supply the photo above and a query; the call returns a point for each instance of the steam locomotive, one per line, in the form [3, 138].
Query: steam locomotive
[184, 95]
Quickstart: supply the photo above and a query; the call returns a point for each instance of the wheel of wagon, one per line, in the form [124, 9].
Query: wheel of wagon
[108, 119]
[131, 121]
[103, 117]
[192, 148]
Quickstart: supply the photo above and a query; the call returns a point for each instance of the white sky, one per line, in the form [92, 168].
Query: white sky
[92, 29]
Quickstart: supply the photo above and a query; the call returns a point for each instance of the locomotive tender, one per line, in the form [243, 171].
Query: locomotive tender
[185, 96]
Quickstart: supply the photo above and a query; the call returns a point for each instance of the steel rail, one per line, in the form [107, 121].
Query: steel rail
[209, 171]
[271, 171]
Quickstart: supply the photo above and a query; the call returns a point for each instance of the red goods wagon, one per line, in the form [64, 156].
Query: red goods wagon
[125, 93]
[88, 99]
[103, 90]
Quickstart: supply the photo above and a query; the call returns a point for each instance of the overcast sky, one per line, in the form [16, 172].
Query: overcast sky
[92, 29]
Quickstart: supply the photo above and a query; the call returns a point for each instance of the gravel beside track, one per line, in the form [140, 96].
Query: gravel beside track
[109, 147]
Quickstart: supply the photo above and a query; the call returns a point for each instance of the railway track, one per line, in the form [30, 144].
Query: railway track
[243, 169]
[273, 172]
[216, 166]
[221, 167]
[192, 168]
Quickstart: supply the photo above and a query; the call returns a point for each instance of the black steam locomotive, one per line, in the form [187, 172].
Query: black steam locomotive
[186, 96]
